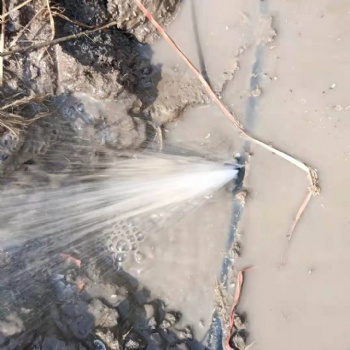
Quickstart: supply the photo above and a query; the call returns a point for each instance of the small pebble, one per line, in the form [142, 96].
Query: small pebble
[99, 345]
[256, 92]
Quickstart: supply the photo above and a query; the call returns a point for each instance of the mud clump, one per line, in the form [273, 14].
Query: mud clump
[129, 17]
[113, 64]
[108, 62]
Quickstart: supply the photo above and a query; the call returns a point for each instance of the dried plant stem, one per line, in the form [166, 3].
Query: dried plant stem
[15, 123]
[80, 24]
[236, 299]
[2, 43]
[295, 221]
[15, 9]
[58, 40]
[24, 100]
[52, 23]
[311, 173]
[21, 32]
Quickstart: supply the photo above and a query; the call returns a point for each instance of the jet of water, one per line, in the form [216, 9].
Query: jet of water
[126, 188]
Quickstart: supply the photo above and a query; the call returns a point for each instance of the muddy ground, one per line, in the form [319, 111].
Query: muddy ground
[303, 109]
[280, 67]
[81, 300]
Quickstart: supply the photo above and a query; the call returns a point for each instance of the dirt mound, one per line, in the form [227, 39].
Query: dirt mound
[129, 17]
[110, 64]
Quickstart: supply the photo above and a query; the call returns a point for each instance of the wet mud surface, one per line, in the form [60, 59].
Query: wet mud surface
[81, 299]
[280, 67]
[106, 95]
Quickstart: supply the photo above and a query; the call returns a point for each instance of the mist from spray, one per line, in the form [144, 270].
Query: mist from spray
[126, 188]
[100, 213]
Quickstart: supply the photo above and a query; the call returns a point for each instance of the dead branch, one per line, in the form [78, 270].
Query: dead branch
[57, 41]
[2, 43]
[52, 23]
[5, 14]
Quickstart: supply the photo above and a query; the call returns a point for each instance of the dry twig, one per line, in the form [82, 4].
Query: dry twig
[311, 173]
[21, 32]
[80, 24]
[295, 221]
[15, 123]
[24, 100]
[58, 40]
[15, 9]
[52, 23]
[2, 42]
[236, 299]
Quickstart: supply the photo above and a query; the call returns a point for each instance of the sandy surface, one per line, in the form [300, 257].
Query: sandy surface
[303, 110]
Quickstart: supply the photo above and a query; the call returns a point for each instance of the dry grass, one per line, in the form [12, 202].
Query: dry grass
[10, 114]
[5, 14]
[59, 14]
[52, 23]
[54, 11]
[26, 27]
[57, 41]
[23, 101]
[15, 123]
